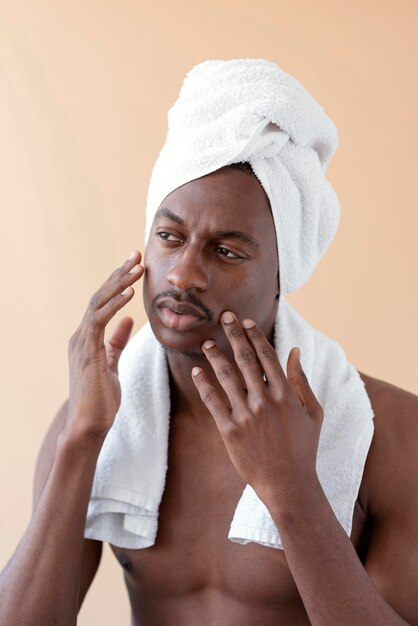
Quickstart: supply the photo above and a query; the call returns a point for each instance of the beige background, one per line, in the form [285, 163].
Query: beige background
[84, 92]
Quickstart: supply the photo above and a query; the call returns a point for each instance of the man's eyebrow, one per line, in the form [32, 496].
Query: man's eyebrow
[170, 215]
[237, 234]
[219, 234]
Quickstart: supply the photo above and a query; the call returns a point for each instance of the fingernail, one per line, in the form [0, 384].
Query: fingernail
[196, 371]
[135, 269]
[248, 323]
[132, 255]
[126, 291]
[209, 343]
[298, 354]
[227, 317]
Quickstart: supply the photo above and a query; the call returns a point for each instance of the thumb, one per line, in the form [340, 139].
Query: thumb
[118, 341]
[293, 375]
[301, 386]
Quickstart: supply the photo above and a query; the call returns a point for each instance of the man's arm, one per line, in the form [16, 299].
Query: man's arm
[334, 585]
[42, 582]
[92, 550]
[391, 480]
[271, 432]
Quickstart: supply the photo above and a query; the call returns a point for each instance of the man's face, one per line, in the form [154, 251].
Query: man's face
[212, 247]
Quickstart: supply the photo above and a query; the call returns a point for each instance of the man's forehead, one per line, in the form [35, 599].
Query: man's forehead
[227, 199]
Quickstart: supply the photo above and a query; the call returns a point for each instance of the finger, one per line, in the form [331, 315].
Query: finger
[244, 353]
[94, 323]
[211, 399]
[122, 277]
[293, 375]
[226, 374]
[118, 341]
[111, 297]
[266, 354]
[300, 380]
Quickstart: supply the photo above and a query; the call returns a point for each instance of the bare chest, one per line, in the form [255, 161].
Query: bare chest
[192, 553]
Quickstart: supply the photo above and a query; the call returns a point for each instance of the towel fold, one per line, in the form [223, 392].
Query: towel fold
[132, 465]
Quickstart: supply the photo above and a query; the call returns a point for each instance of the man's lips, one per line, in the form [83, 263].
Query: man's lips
[179, 315]
[182, 308]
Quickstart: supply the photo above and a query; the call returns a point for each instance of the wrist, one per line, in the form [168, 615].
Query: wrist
[288, 502]
[76, 440]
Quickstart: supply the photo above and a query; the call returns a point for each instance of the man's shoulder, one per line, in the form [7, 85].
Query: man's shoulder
[395, 409]
[392, 465]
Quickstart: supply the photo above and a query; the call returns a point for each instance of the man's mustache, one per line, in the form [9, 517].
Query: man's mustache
[184, 297]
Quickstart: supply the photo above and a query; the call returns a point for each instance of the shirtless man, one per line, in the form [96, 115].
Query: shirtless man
[213, 248]
[194, 575]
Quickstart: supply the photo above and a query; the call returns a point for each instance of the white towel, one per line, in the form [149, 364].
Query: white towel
[131, 469]
[251, 110]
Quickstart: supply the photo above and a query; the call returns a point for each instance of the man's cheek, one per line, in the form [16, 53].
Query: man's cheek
[154, 281]
[155, 273]
[147, 288]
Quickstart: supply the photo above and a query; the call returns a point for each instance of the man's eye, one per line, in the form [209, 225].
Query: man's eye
[168, 236]
[228, 253]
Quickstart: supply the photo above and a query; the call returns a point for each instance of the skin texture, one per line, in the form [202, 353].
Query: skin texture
[228, 427]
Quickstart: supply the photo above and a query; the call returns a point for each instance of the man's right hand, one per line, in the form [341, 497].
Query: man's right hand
[95, 393]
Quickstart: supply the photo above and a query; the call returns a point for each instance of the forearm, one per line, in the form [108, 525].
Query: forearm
[331, 580]
[40, 584]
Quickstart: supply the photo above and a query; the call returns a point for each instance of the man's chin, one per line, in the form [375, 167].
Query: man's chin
[187, 343]
[191, 354]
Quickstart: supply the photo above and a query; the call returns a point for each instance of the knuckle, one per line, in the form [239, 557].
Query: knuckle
[257, 405]
[231, 430]
[208, 396]
[93, 301]
[225, 372]
[278, 393]
[245, 356]
[247, 419]
[268, 353]
[92, 318]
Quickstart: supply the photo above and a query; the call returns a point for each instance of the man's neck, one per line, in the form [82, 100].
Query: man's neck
[185, 398]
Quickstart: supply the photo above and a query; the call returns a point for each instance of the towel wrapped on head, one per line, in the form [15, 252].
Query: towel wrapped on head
[251, 110]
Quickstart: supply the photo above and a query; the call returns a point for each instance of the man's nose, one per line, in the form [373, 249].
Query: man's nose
[190, 271]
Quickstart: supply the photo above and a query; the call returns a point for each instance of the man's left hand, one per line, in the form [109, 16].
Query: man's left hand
[272, 425]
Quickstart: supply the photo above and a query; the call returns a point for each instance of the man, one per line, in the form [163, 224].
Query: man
[211, 283]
